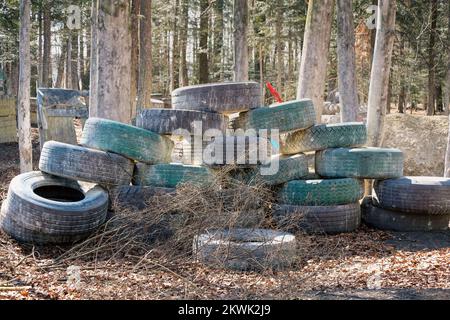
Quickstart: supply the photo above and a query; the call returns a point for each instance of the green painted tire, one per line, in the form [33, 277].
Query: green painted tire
[286, 117]
[363, 163]
[289, 168]
[129, 141]
[326, 192]
[169, 175]
[324, 136]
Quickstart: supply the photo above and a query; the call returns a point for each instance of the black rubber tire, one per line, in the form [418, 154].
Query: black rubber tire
[245, 249]
[384, 219]
[170, 175]
[136, 197]
[362, 163]
[322, 192]
[324, 136]
[84, 164]
[42, 219]
[226, 98]
[289, 168]
[129, 141]
[246, 151]
[169, 121]
[426, 195]
[285, 117]
[318, 219]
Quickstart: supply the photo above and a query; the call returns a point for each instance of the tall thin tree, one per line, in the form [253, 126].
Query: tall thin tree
[240, 40]
[144, 98]
[203, 76]
[381, 67]
[348, 90]
[23, 107]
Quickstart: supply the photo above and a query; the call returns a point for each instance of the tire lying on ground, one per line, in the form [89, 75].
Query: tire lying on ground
[324, 192]
[242, 151]
[363, 163]
[281, 169]
[129, 141]
[169, 121]
[324, 136]
[44, 209]
[169, 175]
[318, 219]
[384, 219]
[245, 249]
[227, 98]
[285, 117]
[427, 195]
[84, 164]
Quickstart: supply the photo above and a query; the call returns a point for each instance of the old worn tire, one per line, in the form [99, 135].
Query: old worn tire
[226, 98]
[289, 168]
[385, 219]
[169, 121]
[129, 141]
[363, 163]
[318, 219]
[324, 136]
[425, 195]
[44, 209]
[325, 192]
[84, 164]
[244, 151]
[136, 197]
[170, 175]
[285, 117]
[245, 249]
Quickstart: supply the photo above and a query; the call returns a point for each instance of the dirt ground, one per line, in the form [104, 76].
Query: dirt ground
[366, 264]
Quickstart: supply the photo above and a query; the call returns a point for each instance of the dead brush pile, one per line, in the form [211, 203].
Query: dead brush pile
[166, 227]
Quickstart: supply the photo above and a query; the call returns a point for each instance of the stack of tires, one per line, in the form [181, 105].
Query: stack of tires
[198, 112]
[409, 204]
[234, 248]
[51, 206]
[330, 202]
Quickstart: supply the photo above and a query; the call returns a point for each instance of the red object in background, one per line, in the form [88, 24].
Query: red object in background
[274, 92]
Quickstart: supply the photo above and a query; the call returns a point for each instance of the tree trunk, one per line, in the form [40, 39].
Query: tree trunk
[218, 40]
[348, 90]
[61, 62]
[240, 40]
[447, 78]
[447, 106]
[279, 36]
[431, 60]
[135, 12]
[74, 61]
[183, 43]
[114, 61]
[145, 57]
[313, 68]
[203, 76]
[174, 76]
[93, 72]
[46, 63]
[23, 106]
[39, 53]
[68, 73]
[379, 77]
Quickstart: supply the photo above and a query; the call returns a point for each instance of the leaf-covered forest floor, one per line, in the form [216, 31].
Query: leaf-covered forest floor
[366, 264]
